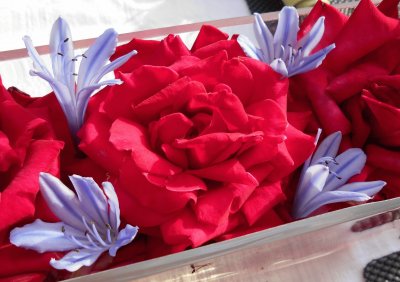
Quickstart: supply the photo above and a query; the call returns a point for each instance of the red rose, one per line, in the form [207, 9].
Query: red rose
[195, 141]
[357, 87]
[26, 149]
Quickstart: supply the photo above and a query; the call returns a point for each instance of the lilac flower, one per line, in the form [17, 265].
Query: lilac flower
[89, 223]
[282, 51]
[324, 177]
[74, 97]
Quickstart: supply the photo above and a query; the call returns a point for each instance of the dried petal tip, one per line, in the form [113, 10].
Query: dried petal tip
[295, 56]
[324, 177]
[89, 223]
[74, 97]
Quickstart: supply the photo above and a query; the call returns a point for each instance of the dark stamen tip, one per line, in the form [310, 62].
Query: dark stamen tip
[83, 55]
[74, 74]
[66, 39]
[61, 54]
[74, 60]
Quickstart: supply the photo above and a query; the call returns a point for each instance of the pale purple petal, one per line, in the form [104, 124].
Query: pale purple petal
[91, 198]
[264, 38]
[331, 197]
[38, 64]
[328, 148]
[62, 53]
[311, 62]
[279, 66]
[114, 205]
[369, 188]
[76, 259]
[249, 49]
[84, 96]
[312, 38]
[61, 201]
[286, 31]
[125, 236]
[96, 57]
[312, 183]
[44, 237]
[350, 163]
[112, 66]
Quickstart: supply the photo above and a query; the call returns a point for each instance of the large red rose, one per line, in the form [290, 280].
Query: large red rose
[356, 90]
[196, 141]
[26, 149]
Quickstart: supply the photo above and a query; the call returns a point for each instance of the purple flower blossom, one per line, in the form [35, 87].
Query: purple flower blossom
[324, 177]
[89, 223]
[282, 51]
[74, 97]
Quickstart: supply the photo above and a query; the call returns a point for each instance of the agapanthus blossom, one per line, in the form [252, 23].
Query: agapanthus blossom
[325, 175]
[89, 223]
[282, 51]
[74, 96]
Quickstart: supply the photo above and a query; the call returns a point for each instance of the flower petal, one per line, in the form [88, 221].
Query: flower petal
[328, 148]
[96, 57]
[249, 49]
[91, 198]
[280, 67]
[125, 236]
[264, 38]
[62, 54]
[286, 31]
[44, 237]
[311, 39]
[114, 213]
[76, 259]
[38, 64]
[332, 197]
[351, 162]
[313, 61]
[61, 201]
[113, 65]
[312, 183]
[370, 188]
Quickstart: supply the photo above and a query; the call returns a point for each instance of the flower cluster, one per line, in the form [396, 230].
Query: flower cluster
[198, 145]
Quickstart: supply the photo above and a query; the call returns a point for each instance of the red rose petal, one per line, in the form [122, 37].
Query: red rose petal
[208, 35]
[215, 206]
[17, 201]
[380, 62]
[184, 182]
[230, 171]
[137, 86]
[130, 136]
[168, 128]
[366, 30]
[213, 148]
[151, 52]
[327, 111]
[383, 158]
[263, 199]
[389, 8]
[169, 100]
[157, 198]
[361, 129]
[386, 133]
[95, 135]
[267, 84]
[207, 71]
[225, 106]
